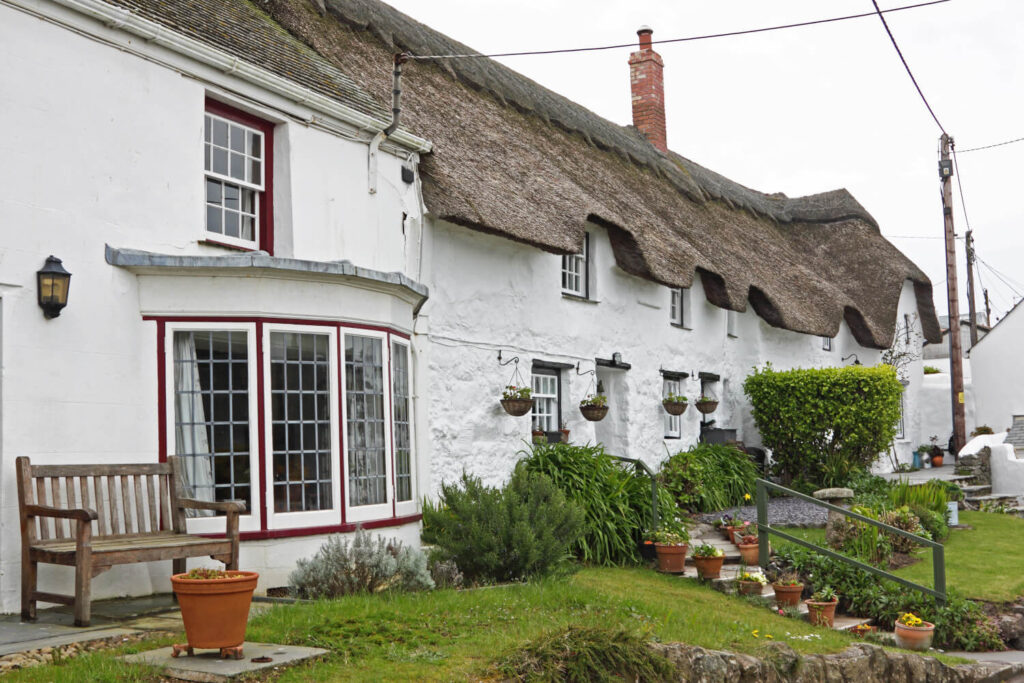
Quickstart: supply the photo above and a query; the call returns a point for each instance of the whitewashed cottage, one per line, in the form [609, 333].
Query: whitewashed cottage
[311, 311]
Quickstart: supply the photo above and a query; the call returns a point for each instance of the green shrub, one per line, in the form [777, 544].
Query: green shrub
[931, 370]
[615, 499]
[902, 518]
[982, 429]
[520, 531]
[709, 477]
[582, 655]
[931, 495]
[366, 565]
[824, 424]
[933, 522]
[863, 541]
[960, 624]
[869, 490]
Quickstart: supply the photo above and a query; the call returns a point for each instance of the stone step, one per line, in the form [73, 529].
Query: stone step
[977, 489]
[994, 498]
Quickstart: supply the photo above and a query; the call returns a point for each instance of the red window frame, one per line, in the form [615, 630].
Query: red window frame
[265, 236]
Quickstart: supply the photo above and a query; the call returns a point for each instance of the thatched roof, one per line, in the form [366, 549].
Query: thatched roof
[517, 160]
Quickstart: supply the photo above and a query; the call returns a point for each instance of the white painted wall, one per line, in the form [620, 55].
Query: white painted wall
[997, 364]
[490, 294]
[105, 146]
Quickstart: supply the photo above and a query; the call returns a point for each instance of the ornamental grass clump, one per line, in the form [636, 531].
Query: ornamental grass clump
[708, 477]
[520, 531]
[363, 565]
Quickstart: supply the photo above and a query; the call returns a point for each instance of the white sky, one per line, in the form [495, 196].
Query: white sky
[809, 109]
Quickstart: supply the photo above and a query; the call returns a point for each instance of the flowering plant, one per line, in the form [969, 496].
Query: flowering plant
[825, 594]
[758, 577]
[911, 619]
[674, 398]
[707, 550]
[669, 537]
[748, 539]
[513, 392]
[594, 400]
[706, 399]
[789, 579]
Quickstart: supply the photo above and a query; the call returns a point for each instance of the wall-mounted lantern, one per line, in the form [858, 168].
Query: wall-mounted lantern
[53, 282]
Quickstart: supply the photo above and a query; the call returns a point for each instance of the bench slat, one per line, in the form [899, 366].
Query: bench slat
[83, 490]
[112, 502]
[140, 505]
[99, 470]
[44, 523]
[165, 503]
[126, 501]
[152, 504]
[101, 508]
[58, 524]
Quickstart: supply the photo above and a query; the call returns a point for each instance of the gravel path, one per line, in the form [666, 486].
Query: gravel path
[781, 512]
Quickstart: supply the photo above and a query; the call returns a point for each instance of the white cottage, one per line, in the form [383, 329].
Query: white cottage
[313, 313]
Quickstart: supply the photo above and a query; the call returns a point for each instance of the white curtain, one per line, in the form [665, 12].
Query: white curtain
[190, 438]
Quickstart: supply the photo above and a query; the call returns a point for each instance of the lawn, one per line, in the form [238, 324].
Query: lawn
[982, 562]
[453, 635]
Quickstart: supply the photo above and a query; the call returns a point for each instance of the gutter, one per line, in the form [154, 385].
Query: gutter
[153, 32]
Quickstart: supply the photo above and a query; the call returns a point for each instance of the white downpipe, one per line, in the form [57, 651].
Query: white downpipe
[374, 146]
[229, 64]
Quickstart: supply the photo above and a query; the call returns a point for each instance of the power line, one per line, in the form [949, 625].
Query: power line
[998, 144]
[676, 40]
[907, 66]
[1001, 278]
[963, 204]
[916, 237]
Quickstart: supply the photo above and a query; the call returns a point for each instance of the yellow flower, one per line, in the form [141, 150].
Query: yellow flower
[754, 633]
[768, 636]
[746, 496]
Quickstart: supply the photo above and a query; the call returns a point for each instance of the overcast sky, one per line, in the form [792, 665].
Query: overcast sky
[808, 109]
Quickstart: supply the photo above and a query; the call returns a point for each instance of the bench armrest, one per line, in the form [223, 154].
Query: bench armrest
[222, 506]
[81, 514]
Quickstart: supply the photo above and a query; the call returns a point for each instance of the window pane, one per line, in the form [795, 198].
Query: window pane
[210, 435]
[299, 458]
[401, 426]
[367, 476]
[213, 219]
[673, 423]
[220, 133]
[238, 166]
[545, 402]
[220, 161]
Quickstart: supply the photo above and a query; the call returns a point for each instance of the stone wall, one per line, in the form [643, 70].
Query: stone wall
[862, 662]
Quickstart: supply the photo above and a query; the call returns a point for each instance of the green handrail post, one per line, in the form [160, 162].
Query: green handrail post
[938, 552]
[763, 550]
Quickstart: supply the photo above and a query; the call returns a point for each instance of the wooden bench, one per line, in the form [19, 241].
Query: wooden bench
[92, 517]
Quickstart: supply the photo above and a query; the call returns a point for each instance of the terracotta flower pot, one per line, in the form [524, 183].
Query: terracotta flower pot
[750, 587]
[750, 553]
[517, 406]
[917, 638]
[709, 567]
[734, 533]
[594, 413]
[707, 406]
[821, 613]
[937, 460]
[675, 407]
[787, 596]
[215, 611]
[671, 558]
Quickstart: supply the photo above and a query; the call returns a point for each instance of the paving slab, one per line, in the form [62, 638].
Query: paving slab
[63, 638]
[208, 667]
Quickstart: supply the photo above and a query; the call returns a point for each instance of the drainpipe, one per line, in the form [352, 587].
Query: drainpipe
[396, 110]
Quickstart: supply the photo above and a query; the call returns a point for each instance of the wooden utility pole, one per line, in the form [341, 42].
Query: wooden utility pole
[988, 310]
[969, 242]
[956, 360]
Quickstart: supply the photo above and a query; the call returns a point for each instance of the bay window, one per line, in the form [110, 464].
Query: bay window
[336, 408]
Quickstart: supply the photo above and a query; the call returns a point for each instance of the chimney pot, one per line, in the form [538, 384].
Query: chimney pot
[648, 91]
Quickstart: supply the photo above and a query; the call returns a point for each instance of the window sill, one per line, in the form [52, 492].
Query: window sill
[680, 327]
[225, 245]
[672, 438]
[581, 299]
[732, 336]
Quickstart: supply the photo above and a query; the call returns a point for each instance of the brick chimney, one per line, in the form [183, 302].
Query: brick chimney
[648, 90]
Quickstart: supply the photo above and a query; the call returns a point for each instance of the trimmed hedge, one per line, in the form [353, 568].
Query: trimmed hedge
[824, 424]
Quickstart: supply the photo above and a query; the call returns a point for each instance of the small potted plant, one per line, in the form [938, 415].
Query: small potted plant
[565, 433]
[821, 607]
[214, 608]
[708, 560]
[861, 630]
[914, 633]
[751, 583]
[749, 547]
[738, 530]
[706, 404]
[935, 452]
[674, 404]
[539, 435]
[594, 407]
[671, 546]
[788, 589]
[517, 401]
[723, 523]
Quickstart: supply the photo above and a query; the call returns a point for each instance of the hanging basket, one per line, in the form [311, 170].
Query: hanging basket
[594, 413]
[707, 407]
[517, 406]
[675, 407]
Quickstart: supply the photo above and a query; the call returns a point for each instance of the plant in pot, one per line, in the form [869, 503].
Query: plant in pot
[539, 435]
[935, 452]
[516, 400]
[821, 607]
[749, 547]
[751, 583]
[565, 433]
[723, 523]
[706, 404]
[738, 529]
[788, 589]
[594, 407]
[914, 633]
[674, 404]
[214, 608]
[671, 546]
[708, 560]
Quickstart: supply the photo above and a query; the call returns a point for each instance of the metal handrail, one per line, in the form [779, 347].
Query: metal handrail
[938, 552]
[640, 464]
